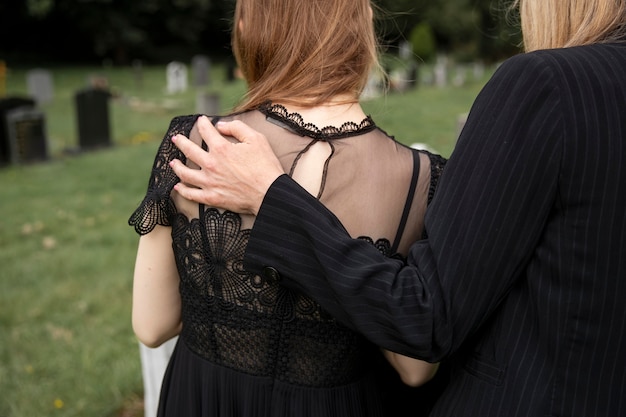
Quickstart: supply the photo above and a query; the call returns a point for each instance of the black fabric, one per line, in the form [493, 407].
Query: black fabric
[523, 275]
[247, 339]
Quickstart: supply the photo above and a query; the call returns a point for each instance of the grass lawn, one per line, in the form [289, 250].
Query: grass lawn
[67, 254]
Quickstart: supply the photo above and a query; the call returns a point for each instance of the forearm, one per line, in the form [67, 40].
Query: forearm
[156, 298]
[413, 372]
[489, 211]
[375, 295]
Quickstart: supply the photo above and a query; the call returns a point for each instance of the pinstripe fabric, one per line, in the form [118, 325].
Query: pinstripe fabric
[522, 281]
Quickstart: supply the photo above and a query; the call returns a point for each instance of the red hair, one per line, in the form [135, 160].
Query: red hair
[303, 52]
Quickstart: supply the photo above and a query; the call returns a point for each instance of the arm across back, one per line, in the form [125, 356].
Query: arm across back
[487, 215]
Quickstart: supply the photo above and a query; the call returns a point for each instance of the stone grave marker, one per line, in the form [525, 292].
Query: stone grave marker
[6, 105]
[208, 104]
[176, 73]
[138, 73]
[3, 78]
[92, 111]
[40, 85]
[201, 67]
[478, 70]
[459, 76]
[27, 135]
[441, 74]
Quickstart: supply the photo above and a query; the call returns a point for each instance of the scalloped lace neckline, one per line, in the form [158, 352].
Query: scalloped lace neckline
[295, 122]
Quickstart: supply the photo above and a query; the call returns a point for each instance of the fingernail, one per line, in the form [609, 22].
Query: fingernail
[174, 138]
[171, 163]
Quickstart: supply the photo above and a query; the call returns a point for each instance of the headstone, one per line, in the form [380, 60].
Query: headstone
[138, 73]
[406, 50]
[441, 74]
[40, 85]
[412, 78]
[153, 365]
[479, 71]
[176, 73]
[6, 105]
[201, 67]
[231, 68]
[3, 78]
[92, 111]
[459, 76]
[398, 81]
[208, 104]
[460, 123]
[27, 135]
[98, 81]
[372, 87]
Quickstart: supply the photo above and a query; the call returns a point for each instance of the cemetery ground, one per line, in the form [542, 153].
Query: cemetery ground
[67, 255]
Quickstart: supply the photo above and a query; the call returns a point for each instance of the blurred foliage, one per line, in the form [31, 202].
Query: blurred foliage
[156, 31]
[423, 42]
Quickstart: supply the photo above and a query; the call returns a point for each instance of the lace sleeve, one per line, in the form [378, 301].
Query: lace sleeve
[157, 207]
[437, 163]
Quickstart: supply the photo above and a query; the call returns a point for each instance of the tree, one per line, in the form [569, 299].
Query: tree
[156, 30]
[120, 30]
[470, 28]
[423, 42]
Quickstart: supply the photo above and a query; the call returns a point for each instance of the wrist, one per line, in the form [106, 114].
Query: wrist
[263, 189]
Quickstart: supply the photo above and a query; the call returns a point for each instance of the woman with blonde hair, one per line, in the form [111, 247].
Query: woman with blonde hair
[248, 346]
[523, 275]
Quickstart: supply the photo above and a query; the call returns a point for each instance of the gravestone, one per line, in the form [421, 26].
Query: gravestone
[176, 73]
[40, 85]
[231, 68]
[201, 67]
[92, 111]
[138, 73]
[3, 78]
[460, 123]
[412, 78]
[478, 71]
[208, 104]
[441, 74]
[459, 76]
[98, 81]
[26, 129]
[372, 87]
[406, 51]
[153, 365]
[6, 105]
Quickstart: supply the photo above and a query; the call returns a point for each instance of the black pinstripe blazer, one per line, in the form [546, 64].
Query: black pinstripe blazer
[523, 277]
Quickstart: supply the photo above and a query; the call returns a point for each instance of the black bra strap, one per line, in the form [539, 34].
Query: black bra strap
[408, 202]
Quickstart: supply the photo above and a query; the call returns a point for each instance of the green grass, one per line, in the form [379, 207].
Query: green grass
[67, 254]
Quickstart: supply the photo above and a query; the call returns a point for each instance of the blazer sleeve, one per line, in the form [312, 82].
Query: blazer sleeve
[487, 215]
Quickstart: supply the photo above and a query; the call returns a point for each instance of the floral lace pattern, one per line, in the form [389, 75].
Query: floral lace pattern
[157, 207]
[237, 319]
[241, 320]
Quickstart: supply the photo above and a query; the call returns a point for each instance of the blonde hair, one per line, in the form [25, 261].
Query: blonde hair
[563, 23]
[303, 52]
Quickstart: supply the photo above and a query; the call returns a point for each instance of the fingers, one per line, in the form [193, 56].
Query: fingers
[240, 131]
[190, 149]
[187, 192]
[208, 132]
[186, 174]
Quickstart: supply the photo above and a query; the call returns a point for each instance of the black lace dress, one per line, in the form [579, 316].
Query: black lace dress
[248, 346]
